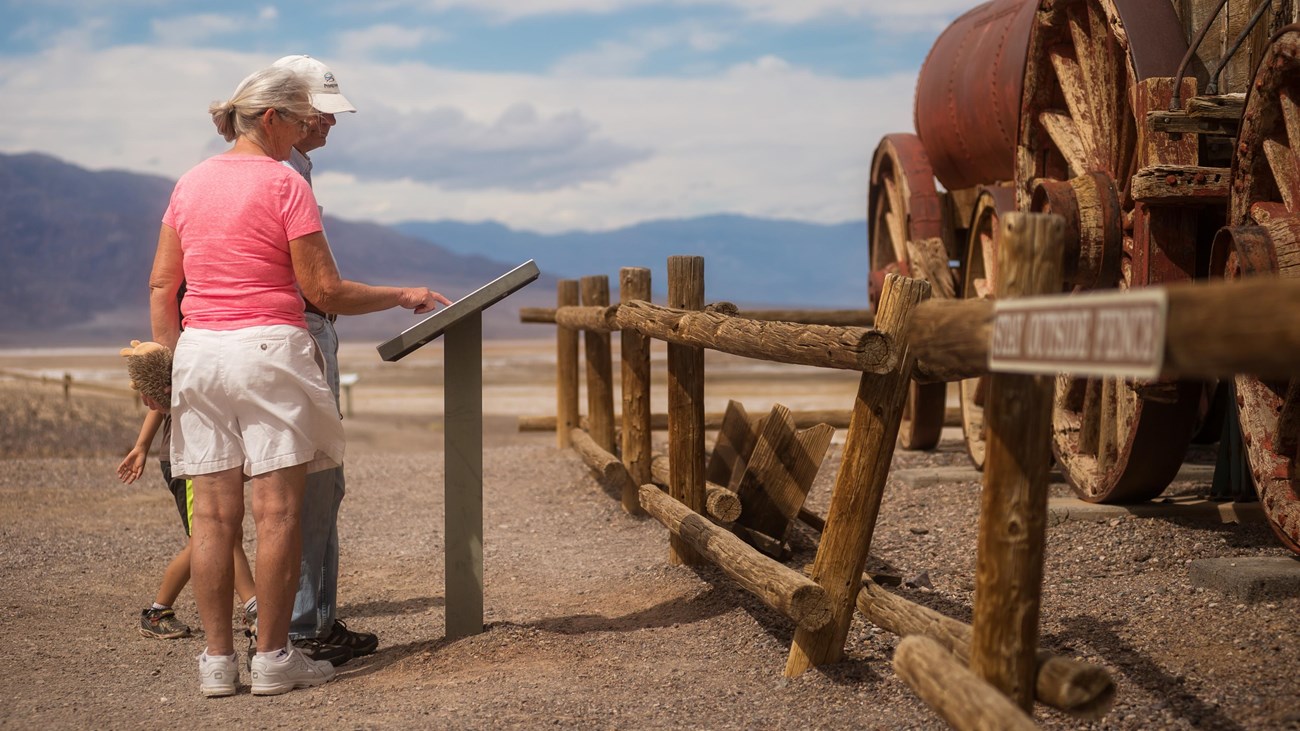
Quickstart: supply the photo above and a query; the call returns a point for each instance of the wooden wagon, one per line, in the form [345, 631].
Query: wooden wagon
[1167, 134]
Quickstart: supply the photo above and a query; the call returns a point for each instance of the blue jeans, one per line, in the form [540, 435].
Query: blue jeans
[318, 583]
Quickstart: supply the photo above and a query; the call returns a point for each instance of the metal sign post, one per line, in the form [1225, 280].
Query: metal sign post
[462, 323]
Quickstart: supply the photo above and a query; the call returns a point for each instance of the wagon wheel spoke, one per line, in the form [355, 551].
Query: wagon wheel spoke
[1092, 79]
[894, 218]
[1282, 164]
[1064, 133]
[1074, 87]
[1290, 116]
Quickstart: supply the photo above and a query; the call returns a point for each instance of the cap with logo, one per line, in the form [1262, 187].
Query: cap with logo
[325, 95]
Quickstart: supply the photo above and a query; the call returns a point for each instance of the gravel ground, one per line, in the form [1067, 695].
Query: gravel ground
[588, 626]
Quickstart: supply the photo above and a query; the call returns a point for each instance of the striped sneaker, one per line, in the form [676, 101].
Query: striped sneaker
[162, 624]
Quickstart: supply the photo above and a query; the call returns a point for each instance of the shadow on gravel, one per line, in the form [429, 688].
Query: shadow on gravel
[684, 610]
[1139, 668]
[414, 605]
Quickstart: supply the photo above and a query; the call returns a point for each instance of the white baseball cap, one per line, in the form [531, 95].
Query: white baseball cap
[325, 95]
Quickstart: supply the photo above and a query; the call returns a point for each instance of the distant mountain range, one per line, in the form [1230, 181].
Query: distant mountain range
[76, 247]
[749, 261]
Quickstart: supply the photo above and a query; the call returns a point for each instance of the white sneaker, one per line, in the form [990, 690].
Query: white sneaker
[218, 675]
[286, 670]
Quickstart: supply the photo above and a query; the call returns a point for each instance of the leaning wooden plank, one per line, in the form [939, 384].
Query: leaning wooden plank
[779, 586]
[951, 690]
[860, 484]
[1080, 689]
[722, 504]
[735, 438]
[610, 469]
[779, 472]
[850, 348]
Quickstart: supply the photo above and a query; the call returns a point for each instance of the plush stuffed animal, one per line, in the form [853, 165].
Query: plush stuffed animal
[149, 366]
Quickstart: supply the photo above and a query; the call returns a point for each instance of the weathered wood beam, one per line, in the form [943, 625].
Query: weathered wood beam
[1212, 330]
[860, 483]
[610, 471]
[951, 339]
[1080, 689]
[566, 368]
[1181, 184]
[588, 319]
[951, 690]
[864, 318]
[849, 348]
[722, 504]
[1013, 503]
[779, 586]
[685, 401]
[596, 346]
[634, 284]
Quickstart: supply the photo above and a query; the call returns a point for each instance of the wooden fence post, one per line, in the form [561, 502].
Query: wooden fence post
[860, 484]
[566, 367]
[1013, 503]
[600, 368]
[634, 284]
[685, 403]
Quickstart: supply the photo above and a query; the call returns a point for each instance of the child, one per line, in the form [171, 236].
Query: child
[159, 621]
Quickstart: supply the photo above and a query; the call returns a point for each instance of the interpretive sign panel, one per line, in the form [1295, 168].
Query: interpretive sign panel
[1109, 334]
[462, 324]
[480, 299]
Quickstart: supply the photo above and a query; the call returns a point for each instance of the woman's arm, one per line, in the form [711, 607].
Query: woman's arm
[164, 282]
[318, 276]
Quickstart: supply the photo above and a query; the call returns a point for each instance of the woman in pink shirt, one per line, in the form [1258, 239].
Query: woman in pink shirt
[249, 397]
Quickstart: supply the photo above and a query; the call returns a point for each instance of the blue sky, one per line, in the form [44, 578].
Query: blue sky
[541, 114]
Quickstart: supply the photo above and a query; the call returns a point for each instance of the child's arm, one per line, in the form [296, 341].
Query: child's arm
[133, 465]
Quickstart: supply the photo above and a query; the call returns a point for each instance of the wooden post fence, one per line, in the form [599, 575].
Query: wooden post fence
[634, 284]
[860, 484]
[685, 403]
[600, 367]
[1013, 503]
[566, 367]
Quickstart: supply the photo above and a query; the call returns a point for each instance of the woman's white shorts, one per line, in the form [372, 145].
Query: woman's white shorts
[253, 398]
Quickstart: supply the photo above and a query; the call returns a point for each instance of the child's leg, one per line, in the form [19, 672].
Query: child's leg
[244, 586]
[175, 577]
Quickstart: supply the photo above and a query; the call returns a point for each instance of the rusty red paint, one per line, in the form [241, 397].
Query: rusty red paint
[968, 94]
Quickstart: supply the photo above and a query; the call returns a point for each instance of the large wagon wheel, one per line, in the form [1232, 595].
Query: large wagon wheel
[981, 282]
[1091, 76]
[1264, 239]
[904, 217]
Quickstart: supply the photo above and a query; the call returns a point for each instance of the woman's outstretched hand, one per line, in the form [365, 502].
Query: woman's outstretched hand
[421, 299]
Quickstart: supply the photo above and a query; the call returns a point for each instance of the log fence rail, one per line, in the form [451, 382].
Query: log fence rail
[995, 661]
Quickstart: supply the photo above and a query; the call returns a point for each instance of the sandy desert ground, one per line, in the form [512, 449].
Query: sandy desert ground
[587, 624]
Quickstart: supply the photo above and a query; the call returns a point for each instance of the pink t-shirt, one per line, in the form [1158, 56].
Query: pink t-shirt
[236, 215]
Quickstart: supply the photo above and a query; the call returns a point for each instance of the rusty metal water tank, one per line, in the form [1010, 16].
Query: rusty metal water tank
[968, 94]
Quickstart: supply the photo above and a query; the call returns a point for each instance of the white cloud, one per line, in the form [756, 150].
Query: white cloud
[775, 11]
[195, 29]
[520, 150]
[535, 151]
[615, 58]
[364, 42]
